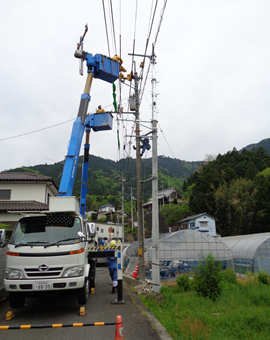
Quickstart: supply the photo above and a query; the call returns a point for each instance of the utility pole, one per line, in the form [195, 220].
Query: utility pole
[155, 212]
[139, 186]
[131, 208]
[123, 212]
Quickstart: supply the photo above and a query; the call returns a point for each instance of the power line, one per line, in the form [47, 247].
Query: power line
[28, 133]
[106, 28]
[166, 140]
[115, 49]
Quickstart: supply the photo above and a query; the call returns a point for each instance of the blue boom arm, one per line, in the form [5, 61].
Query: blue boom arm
[103, 68]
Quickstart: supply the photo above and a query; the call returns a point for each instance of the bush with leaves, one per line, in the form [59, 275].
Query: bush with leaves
[229, 275]
[183, 281]
[207, 278]
[263, 278]
[252, 279]
[8, 230]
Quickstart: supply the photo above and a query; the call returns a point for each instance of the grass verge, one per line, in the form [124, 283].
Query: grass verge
[241, 312]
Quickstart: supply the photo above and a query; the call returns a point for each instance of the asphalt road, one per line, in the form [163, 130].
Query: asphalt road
[138, 323]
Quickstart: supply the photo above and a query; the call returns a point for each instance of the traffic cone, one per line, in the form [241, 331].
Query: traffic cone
[119, 334]
[135, 273]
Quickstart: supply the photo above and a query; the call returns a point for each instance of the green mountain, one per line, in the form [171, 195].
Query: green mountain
[104, 176]
[234, 188]
[265, 143]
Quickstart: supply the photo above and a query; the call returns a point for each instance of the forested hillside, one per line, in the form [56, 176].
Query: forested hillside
[235, 188]
[265, 143]
[104, 177]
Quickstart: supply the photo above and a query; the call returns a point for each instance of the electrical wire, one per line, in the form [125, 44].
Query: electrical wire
[28, 133]
[155, 41]
[166, 141]
[106, 28]
[115, 49]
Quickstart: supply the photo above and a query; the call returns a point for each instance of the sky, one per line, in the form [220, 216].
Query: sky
[212, 71]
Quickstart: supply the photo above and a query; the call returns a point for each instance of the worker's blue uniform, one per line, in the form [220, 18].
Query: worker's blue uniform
[112, 263]
[145, 145]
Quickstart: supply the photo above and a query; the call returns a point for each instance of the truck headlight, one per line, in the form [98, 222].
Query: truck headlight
[13, 274]
[73, 271]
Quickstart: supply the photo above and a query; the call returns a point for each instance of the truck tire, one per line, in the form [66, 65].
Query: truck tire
[83, 292]
[16, 300]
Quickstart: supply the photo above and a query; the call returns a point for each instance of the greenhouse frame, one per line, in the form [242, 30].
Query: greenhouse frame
[180, 252]
[250, 252]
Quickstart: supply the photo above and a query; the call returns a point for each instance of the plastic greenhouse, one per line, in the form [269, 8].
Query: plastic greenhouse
[180, 252]
[250, 252]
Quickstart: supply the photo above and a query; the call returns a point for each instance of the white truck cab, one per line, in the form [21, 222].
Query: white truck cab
[48, 252]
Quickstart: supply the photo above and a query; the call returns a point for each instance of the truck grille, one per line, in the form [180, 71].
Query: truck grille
[51, 272]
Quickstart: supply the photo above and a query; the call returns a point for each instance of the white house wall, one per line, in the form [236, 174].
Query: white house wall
[9, 217]
[28, 191]
[103, 231]
[211, 224]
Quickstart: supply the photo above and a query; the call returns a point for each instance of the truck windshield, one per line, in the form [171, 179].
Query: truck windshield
[44, 230]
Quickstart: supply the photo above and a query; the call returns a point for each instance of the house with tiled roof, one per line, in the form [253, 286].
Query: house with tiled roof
[202, 222]
[23, 191]
[106, 209]
[164, 197]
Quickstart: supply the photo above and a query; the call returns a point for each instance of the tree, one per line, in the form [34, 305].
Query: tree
[173, 213]
[235, 207]
[207, 278]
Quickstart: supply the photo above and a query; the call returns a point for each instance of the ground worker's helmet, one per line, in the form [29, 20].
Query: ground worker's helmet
[112, 243]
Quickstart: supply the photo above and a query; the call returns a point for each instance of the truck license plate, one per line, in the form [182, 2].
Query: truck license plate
[42, 285]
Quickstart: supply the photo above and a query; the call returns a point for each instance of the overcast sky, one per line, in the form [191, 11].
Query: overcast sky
[213, 74]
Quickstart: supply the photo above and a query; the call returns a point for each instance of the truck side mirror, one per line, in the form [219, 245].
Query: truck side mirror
[81, 235]
[91, 229]
[2, 235]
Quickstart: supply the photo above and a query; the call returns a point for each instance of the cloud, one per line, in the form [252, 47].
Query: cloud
[212, 72]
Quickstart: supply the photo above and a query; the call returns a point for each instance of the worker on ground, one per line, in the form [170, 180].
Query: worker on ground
[112, 263]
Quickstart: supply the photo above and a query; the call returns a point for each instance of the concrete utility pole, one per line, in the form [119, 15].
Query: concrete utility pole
[155, 212]
[123, 212]
[131, 208]
[139, 186]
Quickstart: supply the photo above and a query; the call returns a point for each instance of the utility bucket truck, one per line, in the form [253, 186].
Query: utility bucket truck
[48, 252]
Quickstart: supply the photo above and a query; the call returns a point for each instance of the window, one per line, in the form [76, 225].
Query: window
[97, 228]
[203, 224]
[184, 226]
[101, 230]
[5, 194]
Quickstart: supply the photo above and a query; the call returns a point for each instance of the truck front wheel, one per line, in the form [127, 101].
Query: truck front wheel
[16, 300]
[83, 293]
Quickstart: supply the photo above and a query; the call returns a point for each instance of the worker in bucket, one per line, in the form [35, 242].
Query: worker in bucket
[112, 263]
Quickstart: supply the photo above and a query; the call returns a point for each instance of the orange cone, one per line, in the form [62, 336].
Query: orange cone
[135, 273]
[119, 334]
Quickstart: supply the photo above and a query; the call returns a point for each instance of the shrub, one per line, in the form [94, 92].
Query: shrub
[252, 279]
[263, 277]
[8, 230]
[184, 282]
[229, 275]
[207, 278]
